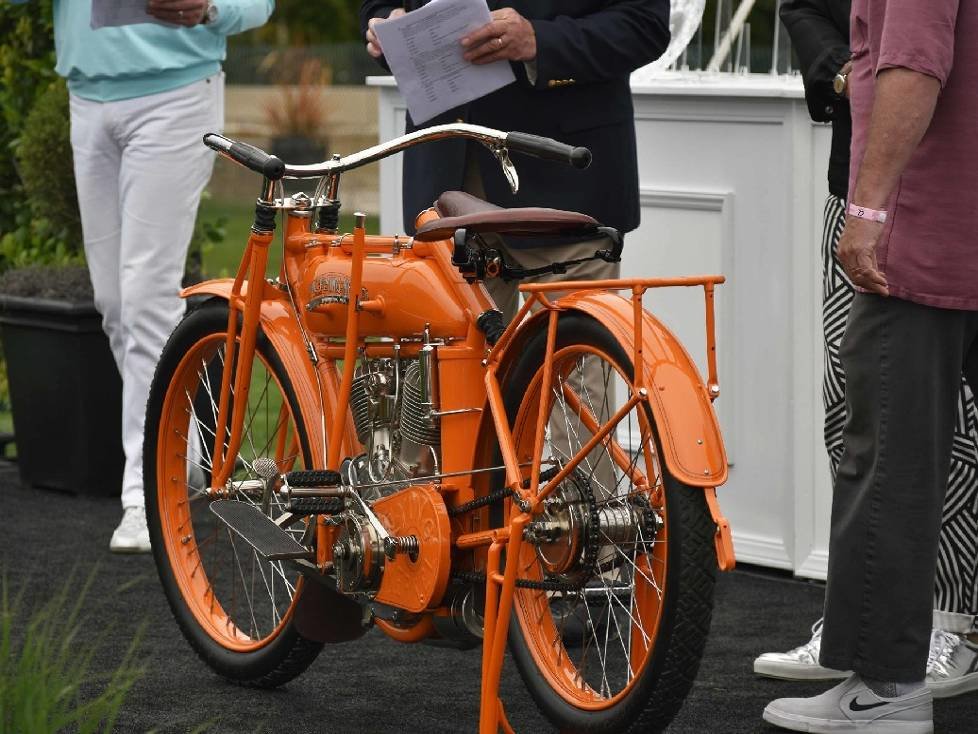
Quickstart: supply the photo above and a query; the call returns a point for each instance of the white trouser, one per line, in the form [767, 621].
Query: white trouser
[140, 168]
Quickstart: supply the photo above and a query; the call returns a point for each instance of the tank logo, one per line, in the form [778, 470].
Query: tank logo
[333, 284]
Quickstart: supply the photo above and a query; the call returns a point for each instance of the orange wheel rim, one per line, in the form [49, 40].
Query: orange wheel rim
[593, 642]
[239, 599]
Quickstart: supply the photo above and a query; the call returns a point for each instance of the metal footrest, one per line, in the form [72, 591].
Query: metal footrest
[258, 530]
[313, 478]
[316, 505]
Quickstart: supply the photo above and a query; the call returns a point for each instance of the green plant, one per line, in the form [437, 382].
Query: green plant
[44, 161]
[47, 226]
[47, 680]
[26, 71]
[208, 234]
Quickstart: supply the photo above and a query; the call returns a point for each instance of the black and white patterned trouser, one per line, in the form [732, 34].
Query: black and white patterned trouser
[956, 589]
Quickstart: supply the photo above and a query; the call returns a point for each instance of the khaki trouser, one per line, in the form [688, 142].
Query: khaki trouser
[566, 435]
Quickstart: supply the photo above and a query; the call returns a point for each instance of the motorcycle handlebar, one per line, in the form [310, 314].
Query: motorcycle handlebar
[269, 166]
[548, 149]
[274, 169]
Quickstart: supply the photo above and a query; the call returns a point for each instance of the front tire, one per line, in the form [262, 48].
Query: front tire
[620, 647]
[233, 606]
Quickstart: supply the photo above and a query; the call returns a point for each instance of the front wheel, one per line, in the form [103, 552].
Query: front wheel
[233, 606]
[616, 576]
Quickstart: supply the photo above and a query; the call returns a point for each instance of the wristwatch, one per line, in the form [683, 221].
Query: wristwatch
[211, 14]
[839, 84]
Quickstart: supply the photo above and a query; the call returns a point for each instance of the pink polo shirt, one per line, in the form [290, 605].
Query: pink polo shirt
[929, 249]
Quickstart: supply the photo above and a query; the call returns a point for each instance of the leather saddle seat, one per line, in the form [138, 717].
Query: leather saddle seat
[459, 210]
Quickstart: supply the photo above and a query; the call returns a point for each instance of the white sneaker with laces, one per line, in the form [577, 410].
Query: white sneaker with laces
[132, 535]
[852, 707]
[952, 665]
[798, 664]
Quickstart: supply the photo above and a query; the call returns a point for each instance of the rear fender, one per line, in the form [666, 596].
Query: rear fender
[691, 442]
[692, 445]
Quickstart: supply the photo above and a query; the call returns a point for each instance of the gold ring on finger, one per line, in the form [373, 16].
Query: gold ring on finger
[499, 42]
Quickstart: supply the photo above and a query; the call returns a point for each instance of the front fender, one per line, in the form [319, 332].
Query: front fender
[692, 445]
[279, 326]
[321, 614]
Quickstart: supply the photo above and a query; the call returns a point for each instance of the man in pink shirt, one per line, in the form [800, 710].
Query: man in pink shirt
[911, 247]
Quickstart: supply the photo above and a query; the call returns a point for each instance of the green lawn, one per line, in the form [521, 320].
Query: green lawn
[221, 260]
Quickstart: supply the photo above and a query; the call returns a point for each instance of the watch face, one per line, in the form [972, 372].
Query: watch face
[211, 12]
[839, 84]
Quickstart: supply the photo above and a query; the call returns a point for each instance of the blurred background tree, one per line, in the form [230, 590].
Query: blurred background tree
[304, 23]
[26, 74]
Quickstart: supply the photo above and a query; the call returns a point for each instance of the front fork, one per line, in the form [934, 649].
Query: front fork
[239, 354]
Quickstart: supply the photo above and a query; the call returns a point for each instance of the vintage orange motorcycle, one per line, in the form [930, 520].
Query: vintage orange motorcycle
[361, 441]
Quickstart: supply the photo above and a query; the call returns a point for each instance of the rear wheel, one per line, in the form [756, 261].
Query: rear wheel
[617, 575]
[233, 606]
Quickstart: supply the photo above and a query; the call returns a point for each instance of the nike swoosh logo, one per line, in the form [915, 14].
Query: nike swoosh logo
[854, 705]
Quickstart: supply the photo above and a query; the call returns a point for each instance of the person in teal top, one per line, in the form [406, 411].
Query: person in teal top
[114, 63]
[142, 96]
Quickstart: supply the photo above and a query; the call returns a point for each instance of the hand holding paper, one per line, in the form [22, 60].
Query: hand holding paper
[373, 45]
[424, 50]
[509, 37]
[178, 12]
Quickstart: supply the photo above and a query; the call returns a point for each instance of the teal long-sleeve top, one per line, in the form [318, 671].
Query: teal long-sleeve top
[123, 62]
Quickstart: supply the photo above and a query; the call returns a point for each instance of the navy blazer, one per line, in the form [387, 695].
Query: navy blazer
[819, 30]
[586, 50]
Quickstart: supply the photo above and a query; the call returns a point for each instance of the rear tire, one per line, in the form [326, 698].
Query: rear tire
[234, 607]
[570, 647]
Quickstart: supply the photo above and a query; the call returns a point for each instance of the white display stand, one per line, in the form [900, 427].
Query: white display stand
[733, 181]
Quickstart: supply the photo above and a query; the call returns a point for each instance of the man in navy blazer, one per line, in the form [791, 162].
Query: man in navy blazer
[572, 60]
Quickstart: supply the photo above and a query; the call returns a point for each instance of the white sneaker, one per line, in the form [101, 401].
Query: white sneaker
[852, 706]
[952, 665]
[132, 535]
[798, 664]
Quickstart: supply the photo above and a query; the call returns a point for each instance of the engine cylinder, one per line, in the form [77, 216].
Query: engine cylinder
[417, 424]
[360, 406]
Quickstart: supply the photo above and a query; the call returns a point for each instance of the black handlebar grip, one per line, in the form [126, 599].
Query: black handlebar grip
[269, 166]
[549, 149]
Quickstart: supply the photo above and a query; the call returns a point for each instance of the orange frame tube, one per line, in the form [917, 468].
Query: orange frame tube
[350, 346]
[254, 263]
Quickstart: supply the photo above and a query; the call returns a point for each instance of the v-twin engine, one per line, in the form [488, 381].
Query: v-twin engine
[394, 404]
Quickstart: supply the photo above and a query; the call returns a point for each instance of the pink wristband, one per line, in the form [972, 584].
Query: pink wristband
[872, 215]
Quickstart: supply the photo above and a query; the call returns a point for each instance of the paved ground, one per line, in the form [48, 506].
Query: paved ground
[373, 685]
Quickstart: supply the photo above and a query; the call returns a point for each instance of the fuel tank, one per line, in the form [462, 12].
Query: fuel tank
[401, 294]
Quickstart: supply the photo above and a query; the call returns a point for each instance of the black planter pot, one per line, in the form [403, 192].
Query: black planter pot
[298, 149]
[66, 395]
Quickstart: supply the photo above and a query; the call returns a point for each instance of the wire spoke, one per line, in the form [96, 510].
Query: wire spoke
[617, 607]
